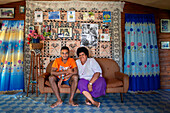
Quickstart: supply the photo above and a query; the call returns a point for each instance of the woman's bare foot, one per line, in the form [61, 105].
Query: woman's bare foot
[97, 104]
[58, 103]
[73, 104]
[87, 102]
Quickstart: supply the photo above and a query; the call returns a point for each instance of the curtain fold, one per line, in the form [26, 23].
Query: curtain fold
[141, 60]
[11, 55]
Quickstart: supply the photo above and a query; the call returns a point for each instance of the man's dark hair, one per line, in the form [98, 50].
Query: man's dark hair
[82, 49]
[65, 47]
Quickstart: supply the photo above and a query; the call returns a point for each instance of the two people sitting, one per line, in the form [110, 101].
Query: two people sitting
[84, 73]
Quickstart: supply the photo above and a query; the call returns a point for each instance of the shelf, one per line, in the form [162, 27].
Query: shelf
[36, 46]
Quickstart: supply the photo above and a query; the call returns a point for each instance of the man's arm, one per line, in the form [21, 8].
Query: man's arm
[71, 72]
[55, 73]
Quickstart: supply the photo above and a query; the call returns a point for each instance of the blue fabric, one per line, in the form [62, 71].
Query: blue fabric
[141, 60]
[65, 82]
[11, 55]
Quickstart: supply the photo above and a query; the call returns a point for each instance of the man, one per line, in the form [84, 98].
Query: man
[67, 68]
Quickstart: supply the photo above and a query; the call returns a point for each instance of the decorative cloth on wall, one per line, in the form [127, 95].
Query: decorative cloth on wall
[141, 60]
[53, 43]
[11, 55]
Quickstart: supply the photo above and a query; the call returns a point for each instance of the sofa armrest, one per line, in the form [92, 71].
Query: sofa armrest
[125, 78]
[41, 81]
[45, 75]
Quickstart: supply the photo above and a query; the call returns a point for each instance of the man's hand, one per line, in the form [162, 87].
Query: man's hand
[69, 70]
[90, 87]
[67, 76]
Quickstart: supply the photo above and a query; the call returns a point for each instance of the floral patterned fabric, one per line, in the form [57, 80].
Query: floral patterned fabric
[11, 55]
[141, 61]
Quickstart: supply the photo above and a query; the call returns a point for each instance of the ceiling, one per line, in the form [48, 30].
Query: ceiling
[162, 4]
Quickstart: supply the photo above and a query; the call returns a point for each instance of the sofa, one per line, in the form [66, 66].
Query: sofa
[116, 81]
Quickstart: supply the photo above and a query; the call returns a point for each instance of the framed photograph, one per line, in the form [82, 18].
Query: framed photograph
[21, 9]
[71, 16]
[64, 32]
[30, 29]
[106, 16]
[37, 29]
[54, 15]
[88, 16]
[89, 34]
[165, 25]
[46, 30]
[104, 37]
[165, 44]
[6, 12]
[38, 16]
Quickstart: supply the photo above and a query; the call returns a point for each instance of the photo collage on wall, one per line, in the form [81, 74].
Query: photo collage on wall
[89, 31]
[73, 29]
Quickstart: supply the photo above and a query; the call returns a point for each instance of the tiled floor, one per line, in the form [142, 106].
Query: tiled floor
[110, 103]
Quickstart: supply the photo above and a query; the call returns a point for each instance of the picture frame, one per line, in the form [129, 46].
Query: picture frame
[71, 16]
[37, 29]
[38, 16]
[165, 25]
[64, 32]
[21, 9]
[46, 30]
[104, 37]
[165, 44]
[30, 28]
[7, 12]
[88, 16]
[106, 16]
[54, 15]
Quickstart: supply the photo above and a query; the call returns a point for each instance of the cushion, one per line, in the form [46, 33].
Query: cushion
[112, 83]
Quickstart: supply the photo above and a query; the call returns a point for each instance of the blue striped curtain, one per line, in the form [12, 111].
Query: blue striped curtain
[11, 55]
[141, 60]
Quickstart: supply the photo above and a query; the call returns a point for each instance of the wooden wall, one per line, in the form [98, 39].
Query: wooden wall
[164, 55]
[15, 5]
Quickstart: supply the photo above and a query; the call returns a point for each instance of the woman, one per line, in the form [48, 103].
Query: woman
[90, 75]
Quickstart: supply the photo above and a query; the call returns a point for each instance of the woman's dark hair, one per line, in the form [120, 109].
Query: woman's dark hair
[82, 49]
[65, 48]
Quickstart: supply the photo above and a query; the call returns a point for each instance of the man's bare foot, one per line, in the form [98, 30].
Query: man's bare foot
[73, 104]
[87, 102]
[58, 103]
[97, 104]
[59, 83]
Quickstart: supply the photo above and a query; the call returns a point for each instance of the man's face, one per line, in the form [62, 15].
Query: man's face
[64, 54]
[83, 57]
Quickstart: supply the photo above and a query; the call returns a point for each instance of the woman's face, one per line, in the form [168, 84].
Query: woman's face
[83, 57]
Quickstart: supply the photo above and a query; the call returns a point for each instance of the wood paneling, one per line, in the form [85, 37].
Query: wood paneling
[164, 55]
[15, 5]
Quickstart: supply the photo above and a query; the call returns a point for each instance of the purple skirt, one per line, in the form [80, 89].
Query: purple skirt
[99, 87]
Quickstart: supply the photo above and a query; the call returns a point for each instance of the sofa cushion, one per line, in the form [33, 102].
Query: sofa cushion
[112, 83]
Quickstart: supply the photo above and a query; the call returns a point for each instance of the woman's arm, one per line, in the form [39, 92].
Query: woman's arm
[95, 77]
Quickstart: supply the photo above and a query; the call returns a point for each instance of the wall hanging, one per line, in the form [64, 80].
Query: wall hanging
[75, 23]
